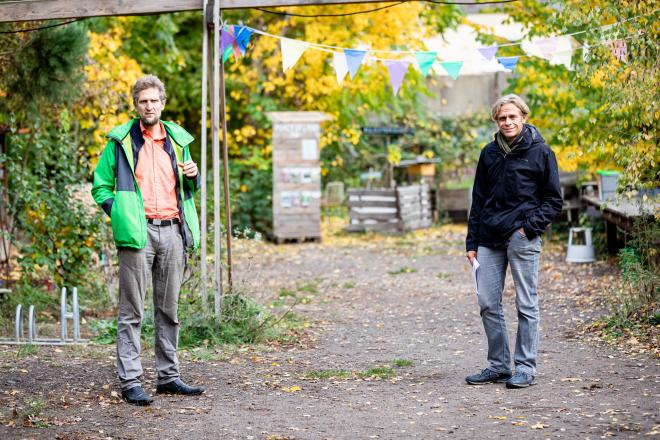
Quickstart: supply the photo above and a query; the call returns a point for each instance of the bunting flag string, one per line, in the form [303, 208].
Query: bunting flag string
[557, 50]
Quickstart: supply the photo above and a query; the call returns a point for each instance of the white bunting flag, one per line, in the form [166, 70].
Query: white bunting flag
[341, 67]
[291, 52]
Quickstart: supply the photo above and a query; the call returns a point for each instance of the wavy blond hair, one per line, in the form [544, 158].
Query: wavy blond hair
[509, 99]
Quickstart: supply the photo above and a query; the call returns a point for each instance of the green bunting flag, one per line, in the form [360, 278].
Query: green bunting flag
[425, 61]
[453, 68]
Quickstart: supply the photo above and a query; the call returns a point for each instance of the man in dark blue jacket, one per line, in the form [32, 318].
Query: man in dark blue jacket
[516, 195]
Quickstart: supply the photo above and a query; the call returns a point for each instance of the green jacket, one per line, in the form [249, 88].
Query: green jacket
[116, 189]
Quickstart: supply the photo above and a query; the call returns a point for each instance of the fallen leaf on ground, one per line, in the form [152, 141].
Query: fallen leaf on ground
[292, 389]
[540, 426]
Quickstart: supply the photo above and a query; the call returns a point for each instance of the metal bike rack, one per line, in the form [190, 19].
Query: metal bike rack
[65, 316]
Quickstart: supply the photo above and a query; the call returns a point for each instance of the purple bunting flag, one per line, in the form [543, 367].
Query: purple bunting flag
[488, 52]
[354, 58]
[397, 70]
[226, 39]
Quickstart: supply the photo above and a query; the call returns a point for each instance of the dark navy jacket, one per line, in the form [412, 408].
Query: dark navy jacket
[515, 190]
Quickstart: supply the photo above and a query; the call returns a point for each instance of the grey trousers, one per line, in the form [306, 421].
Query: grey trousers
[522, 256]
[163, 259]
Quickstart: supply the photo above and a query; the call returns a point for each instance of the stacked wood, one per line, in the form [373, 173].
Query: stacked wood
[401, 209]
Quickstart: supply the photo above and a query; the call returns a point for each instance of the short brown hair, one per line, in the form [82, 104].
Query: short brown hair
[508, 99]
[148, 82]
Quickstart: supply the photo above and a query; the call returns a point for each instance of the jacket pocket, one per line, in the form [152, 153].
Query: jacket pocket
[127, 218]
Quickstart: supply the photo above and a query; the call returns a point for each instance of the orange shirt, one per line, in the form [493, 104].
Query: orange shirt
[156, 178]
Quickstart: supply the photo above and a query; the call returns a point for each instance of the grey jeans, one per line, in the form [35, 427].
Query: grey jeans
[163, 259]
[522, 256]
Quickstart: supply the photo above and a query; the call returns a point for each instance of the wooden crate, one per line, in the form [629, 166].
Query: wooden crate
[389, 210]
[455, 203]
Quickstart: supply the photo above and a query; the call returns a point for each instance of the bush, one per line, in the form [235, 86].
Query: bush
[637, 300]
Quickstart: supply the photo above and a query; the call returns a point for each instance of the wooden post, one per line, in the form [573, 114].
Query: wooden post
[225, 167]
[216, 158]
[203, 142]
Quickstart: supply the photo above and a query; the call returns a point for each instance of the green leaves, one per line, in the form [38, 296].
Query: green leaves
[605, 112]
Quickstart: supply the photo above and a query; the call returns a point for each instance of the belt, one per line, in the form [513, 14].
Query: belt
[159, 222]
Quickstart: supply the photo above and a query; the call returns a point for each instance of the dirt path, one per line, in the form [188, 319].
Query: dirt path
[400, 303]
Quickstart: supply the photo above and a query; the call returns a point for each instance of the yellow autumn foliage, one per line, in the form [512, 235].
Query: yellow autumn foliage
[106, 97]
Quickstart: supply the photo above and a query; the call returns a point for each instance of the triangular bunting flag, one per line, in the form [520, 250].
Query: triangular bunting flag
[397, 70]
[508, 62]
[453, 68]
[548, 46]
[226, 39]
[227, 53]
[354, 58]
[243, 35]
[564, 53]
[341, 68]
[291, 52]
[425, 61]
[488, 52]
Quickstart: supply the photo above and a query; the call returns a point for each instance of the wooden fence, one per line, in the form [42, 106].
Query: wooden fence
[389, 210]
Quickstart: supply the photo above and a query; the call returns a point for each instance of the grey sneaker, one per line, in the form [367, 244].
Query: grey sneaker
[520, 379]
[487, 376]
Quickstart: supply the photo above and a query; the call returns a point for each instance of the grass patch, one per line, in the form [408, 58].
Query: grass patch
[327, 374]
[242, 321]
[378, 373]
[29, 416]
[402, 363]
[27, 350]
[202, 354]
[402, 270]
[349, 285]
[284, 293]
[311, 287]
[442, 275]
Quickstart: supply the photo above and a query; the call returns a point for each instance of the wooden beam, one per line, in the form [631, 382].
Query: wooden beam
[26, 10]
[207, 43]
[215, 113]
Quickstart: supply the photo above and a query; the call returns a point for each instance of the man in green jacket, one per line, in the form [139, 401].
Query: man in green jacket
[145, 181]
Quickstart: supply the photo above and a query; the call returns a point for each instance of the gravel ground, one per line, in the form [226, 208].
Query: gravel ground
[400, 303]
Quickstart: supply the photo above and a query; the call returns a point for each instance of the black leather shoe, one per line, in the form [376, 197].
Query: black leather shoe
[178, 387]
[487, 376]
[137, 396]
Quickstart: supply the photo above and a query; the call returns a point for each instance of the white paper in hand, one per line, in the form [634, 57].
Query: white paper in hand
[475, 267]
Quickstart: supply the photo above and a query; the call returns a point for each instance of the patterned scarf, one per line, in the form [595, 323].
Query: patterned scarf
[505, 145]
